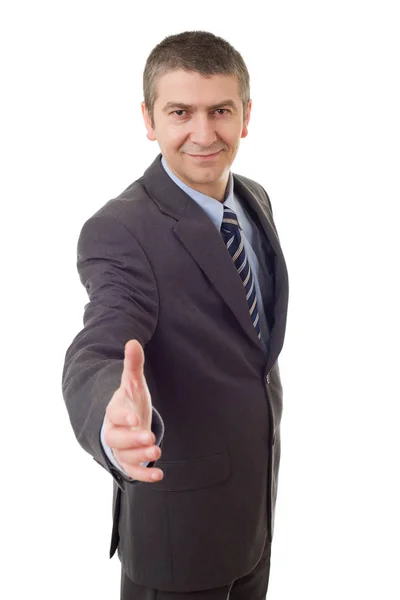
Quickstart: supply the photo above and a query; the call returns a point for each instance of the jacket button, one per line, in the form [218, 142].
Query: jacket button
[268, 379]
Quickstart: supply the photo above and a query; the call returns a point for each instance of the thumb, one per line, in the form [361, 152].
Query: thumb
[133, 365]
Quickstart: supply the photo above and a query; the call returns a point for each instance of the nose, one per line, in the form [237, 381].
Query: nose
[203, 133]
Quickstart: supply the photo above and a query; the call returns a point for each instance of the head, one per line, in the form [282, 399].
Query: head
[197, 106]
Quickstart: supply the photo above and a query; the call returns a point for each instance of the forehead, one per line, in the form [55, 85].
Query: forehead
[194, 88]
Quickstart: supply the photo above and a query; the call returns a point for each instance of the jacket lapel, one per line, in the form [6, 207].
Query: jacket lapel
[202, 240]
[259, 204]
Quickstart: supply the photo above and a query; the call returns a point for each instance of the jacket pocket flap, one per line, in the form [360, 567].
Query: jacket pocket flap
[182, 475]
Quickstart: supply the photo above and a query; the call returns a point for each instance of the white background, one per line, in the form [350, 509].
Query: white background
[324, 142]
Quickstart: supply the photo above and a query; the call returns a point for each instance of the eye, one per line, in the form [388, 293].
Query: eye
[175, 112]
[224, 110]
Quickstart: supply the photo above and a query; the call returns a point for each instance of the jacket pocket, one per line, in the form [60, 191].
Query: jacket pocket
[197, 473]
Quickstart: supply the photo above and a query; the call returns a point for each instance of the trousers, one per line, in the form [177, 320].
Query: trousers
[252, 586]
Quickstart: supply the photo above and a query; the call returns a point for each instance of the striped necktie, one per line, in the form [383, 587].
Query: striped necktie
[230, 231]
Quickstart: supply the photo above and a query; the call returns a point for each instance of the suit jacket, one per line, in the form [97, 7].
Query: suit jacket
[157, 270]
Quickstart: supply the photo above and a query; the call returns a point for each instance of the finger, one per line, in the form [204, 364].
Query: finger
[133, 365]
[145, 474]
[120, 415]
[136, 456]
[123, 438]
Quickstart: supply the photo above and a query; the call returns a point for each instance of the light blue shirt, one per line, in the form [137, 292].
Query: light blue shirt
[255, 249]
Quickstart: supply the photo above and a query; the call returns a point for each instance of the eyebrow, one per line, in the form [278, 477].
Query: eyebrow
[183, 106]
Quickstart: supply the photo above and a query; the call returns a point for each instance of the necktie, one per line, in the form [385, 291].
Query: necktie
[233, 239]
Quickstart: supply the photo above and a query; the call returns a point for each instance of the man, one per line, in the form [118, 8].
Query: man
[188, 298]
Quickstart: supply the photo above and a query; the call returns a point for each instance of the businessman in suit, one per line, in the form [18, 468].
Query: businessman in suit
[173, 383]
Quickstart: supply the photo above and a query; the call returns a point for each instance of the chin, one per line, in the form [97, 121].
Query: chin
[206, 176]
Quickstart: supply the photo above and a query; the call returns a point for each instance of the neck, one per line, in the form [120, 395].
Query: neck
[213, 189]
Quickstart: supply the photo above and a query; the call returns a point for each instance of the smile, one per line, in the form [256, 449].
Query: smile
[205, 156]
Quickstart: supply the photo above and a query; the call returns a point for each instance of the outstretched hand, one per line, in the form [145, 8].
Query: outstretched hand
[128, 419]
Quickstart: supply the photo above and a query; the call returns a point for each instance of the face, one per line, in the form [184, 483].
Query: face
[198, 124]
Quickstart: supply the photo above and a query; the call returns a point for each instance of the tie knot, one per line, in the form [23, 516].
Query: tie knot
[230, 224]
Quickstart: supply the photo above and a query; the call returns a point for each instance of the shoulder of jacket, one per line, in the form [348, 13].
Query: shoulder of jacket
[132, 202]
[256, 188]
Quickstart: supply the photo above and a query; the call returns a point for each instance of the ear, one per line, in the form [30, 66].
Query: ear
[151, 134]
[246, 120]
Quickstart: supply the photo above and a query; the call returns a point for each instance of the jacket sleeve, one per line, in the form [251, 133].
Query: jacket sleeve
[123, 305]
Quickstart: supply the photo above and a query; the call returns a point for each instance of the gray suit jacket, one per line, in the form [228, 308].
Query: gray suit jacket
[157, 270]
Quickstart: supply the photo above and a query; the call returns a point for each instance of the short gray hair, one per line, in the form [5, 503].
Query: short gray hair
[193, 51]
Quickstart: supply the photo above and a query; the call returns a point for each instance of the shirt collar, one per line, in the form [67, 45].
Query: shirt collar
[212, 207]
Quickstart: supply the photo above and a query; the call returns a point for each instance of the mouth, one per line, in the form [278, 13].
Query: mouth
[205, 156]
